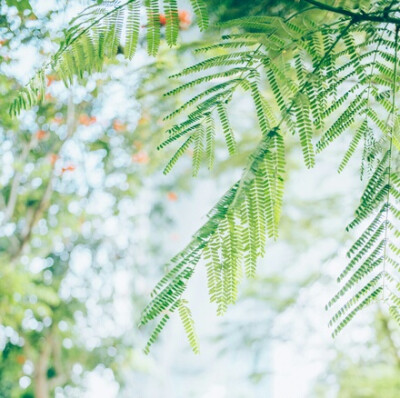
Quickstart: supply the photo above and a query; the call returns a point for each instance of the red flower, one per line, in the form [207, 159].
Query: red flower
[172, 196]
[87, 120]
[163, 20]
[184, 19]
[70, 167]
[50, 79]
[40, 134]
[118, 126]
[141, 157]
[53, 158]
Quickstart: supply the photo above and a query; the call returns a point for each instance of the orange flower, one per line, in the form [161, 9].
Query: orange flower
[70, 167]
[184, 19]
[172, 196]
[86, 120]
[48, 97]
[50, 79]
[53, 158]
[2, 42]
[163, 20]
[21, 359]
[118, 126]
[141, 157]
[40, 134]
[83, 119]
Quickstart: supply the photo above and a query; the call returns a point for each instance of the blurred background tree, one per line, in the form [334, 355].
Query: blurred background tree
[87, 220]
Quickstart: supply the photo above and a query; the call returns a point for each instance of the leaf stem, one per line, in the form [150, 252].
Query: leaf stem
[390, 156]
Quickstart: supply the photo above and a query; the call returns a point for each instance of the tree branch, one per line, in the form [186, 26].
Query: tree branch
[355, 16]
[12, 200]
[46, 198]
[61, 375]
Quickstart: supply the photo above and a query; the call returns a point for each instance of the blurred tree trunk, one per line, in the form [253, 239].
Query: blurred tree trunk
[41, 386]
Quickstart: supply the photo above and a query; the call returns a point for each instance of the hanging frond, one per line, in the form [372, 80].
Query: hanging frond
[240, 71]
[361, 132]
[226, 128]
[153, 26]
[99, 33]
[188, 324]
[309, 80]
[172, 22]
[200, 9]
[234, 235]
[132, 29]
[373, 268]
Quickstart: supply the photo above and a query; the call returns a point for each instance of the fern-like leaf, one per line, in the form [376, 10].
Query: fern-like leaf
[188, 324]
